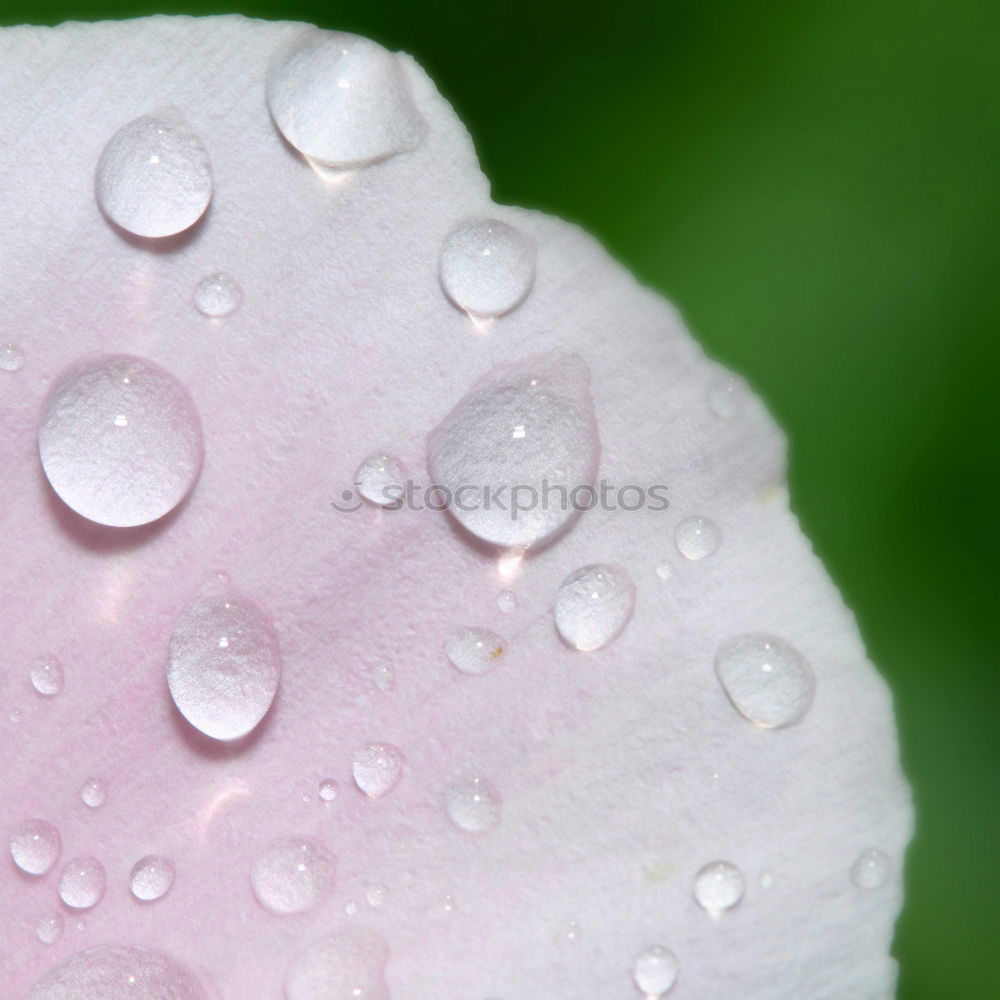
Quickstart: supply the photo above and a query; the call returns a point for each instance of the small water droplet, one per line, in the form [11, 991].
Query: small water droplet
[94, 792]
[50, 928]
[14, 715]
[381, 479]
[871, 870]
[727, 396]
[526, 435]
[152, 877]
[474, 650]
[46, 675]
[377, 768]
[218, 295]
[655, 971]
[154, 177]
[507, 601]
[664, 571]
[347, 965]
[328, 789]
[35, 845]
[593, 605]
[766, 880]
[342, 100]
[767, 680]
[350, 907]
[445, 908]
[82, 882]
[377, 894]
[473, 804]
[697, 538]
[224, 665]
[293, 875]
[11, 358]
[120, 440]
[383, 677]
[718, 886]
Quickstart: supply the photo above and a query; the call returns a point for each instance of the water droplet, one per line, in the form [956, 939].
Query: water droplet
[381, 479]
[655, 971]
[120, 440]
[35, 845]
[664, 571]
[487, 267]
[14, 715]
[342, 100]
[871, 870]
[474, 650]
[571, 933]
[377, 894]
[697, 538]
[218, 295]
[154, 177]
[347, 965]
[293, 875]
[718, 886]
[152, 877]
[11, 357]
[46, 675]
[123, 972]
[473, 804]
[518, 454]
[350, 907]
[593, 605]
[224, 665]
[727, 396]
[328, 789]
[377, 768]
[383, 676]
[50, 928]
[445, 908]
[94, 792]
[766, 880]
[82, 882]
[767, 680]
[507, 601]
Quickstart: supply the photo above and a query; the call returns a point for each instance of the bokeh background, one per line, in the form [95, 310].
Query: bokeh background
[816, 184]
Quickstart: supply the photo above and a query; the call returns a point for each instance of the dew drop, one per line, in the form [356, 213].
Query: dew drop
[871, 870]
[718, 886]
[350, 907]
[767, 680]
[766, 880]
[664, 571]
[727, 396]
[224, 665]
[377, 894]
[473, 804]
[697, 538]
[154, 177]
[445, 908]
[123, 972]
[377, 768]
[342, 100]
[655, 971]
[82, 882]
[474, 650]
[293, 875]
[94, 792]
[49, 929]
[152, 877]
[35, 845]
[507, 601]
[46, 675]
[526, 433]
[328, 789]
[347, 965]
[593, 605]
[384, 677]
[11, 357]
[120, 440]
[218, 295]
[381, 479]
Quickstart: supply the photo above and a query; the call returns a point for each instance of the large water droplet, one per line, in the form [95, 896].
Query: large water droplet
[487, 267]
[224, 665]
[655, 971]
[697, 538]
[347, 965]
[518, 454]
[328, 789]
[473, 804]
[342, 100]
[46, 675]
[871, 870]
[11, 357]
[118, 973]
[293, 875]
[120, 440]
[154, 177]
[718, 886]
[381, 479]
[474, 650]
[82, 882]
[217, 295]
[35, 845]
[94, 793]
[767, 680]
[152, 877]
[593, 605]
[49, 929]
[377, 768]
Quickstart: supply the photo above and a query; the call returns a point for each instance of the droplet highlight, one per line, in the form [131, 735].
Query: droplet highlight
[381, 479]
[346, 965]
[94, 793]
[217, 295]
[35, 845]
[377, 768]
[473, 804]
[593, 606]
[697, 538]
[11, 358]
[293, 875]
[718, 887]
[152, 877]
[474, 650]
[47, 675]
[49, 929]
[655, 972]
[871, 870]
[82, 882]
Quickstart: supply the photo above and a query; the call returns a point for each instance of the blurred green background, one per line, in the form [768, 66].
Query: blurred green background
[815, 184]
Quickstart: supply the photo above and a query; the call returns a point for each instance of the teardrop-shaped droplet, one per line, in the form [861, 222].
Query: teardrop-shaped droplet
[655, 971]
[381, 479]
[47, 675]
[35, 845]
[871, 870]
[154, 177]
[342, 100]
[120, 440]
[518, 455]
[11, 357]
[697, 538]
[94, 792]
[82, 882]
[152, 877]
[718, 886]
[377, 768]
[123, 972]
[474, 650]
[293, 875]
[593, 605]
[767, 680]
[49, 929]
[346, 965]
[224, 665]
[217, 295]
[473, 804]
[487, 267]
